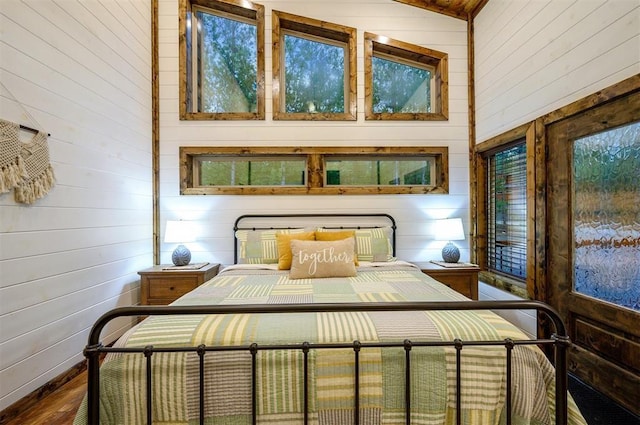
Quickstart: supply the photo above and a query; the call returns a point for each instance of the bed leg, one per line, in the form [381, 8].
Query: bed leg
[356, 353]
[253, 348]
[305, 383]
[201, 351]
[563, 342]
[92, 354]
[458, 346]
[508, 343]
[148, 352]
[407, 381]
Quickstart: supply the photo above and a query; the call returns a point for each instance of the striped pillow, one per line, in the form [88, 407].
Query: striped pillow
[372, 244]
[260, 246]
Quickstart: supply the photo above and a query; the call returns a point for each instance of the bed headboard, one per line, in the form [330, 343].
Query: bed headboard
[327, 221]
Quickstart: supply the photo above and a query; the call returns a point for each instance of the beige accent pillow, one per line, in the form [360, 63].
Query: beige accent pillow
[336, 236]
[284, 246]
[313, 259]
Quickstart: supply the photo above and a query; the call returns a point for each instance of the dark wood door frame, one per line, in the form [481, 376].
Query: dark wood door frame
[606, 338]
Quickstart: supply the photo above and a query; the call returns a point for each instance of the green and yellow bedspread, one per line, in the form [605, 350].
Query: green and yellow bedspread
[331, 371]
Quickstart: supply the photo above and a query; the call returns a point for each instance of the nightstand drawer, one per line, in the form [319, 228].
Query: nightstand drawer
[160, 285]
[171, 288]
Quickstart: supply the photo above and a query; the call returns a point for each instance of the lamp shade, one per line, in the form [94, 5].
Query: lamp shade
[450, 229]
[178, 231]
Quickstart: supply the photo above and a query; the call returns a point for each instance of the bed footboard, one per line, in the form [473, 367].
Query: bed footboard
[559, 341]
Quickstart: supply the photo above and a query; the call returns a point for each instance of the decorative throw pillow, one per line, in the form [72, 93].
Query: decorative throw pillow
[336, 236]
[260, 246]
[313, 259]
[284, 246]
[372, 244]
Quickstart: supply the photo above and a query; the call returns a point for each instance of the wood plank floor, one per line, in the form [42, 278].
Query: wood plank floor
[57, 408]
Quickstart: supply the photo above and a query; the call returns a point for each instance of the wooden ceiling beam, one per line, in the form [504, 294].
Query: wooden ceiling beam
[461, 9]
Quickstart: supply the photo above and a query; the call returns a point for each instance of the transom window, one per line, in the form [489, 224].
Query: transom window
[314, 69]
[258, 170]
[404, 81]
[379, 171]
[221, 60]
[294, 170]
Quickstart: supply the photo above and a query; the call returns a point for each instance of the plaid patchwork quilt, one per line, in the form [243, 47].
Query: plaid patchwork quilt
[331, 372]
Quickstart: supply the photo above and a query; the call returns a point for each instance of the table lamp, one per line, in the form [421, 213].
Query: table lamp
[450, 229]
[179, 232]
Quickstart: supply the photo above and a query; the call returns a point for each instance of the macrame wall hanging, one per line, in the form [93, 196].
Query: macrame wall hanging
[24, 166]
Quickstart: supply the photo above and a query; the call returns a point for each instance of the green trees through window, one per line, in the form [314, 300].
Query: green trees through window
[314, 76]
[313, 170]
[247, 171]
[399, 87]
[227, 75]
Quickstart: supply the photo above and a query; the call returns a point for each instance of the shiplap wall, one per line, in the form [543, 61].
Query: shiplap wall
[214, 215]
[533, 57]
[82, 72]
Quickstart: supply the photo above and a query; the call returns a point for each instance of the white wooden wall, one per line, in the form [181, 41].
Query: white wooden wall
[535, 56]
[81, 71]
[415, 213]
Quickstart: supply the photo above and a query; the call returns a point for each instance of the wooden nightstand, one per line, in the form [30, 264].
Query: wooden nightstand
[461, 279]
[162, 287]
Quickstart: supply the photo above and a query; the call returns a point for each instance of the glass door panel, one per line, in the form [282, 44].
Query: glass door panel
[606, 216]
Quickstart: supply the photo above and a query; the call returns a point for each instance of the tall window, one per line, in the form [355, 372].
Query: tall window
[222, 60]
[314, 69]
[404, 81]
[507, 211]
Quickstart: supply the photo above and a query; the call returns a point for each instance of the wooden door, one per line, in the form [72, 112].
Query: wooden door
[593, 252]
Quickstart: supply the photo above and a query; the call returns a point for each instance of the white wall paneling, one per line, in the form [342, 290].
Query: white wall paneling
[533, 57]
[414, 213]
[82, 72]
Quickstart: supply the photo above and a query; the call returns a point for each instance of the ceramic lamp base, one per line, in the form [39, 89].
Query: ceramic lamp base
[450, 253]
[181, 256]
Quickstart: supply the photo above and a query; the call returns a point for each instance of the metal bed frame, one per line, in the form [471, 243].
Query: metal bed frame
[387, 219]
[559, 341]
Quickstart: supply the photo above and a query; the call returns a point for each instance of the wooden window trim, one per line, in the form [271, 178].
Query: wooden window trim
[315, 170]
[438, 61]
[523, 289]
[281, 22]
[241, 8]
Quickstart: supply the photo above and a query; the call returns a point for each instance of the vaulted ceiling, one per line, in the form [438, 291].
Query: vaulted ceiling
[461, 9]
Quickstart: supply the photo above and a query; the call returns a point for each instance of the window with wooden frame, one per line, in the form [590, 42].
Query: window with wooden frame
[404, 81]
[326, 170]
[314, 69]
[221, 60]
[505, 204]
